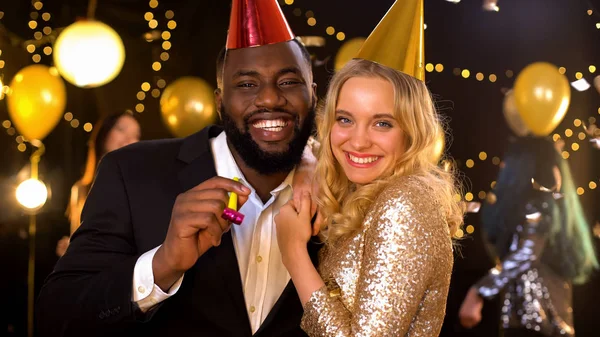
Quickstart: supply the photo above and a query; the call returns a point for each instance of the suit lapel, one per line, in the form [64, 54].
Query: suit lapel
[221, 262]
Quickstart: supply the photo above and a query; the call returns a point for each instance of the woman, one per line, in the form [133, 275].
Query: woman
[388, 211]
[540, 235]
[109, 134]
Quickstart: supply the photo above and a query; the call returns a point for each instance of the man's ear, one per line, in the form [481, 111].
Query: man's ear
[315, 98]
[218, 100]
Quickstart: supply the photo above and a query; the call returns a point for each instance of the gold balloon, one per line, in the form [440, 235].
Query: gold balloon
[511, 115]
[187, 105]
[347, 52]
[440, 144]
[36, 100]
[542, 96]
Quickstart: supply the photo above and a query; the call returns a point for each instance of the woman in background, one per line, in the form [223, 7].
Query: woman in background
[109, 134]
[535, 224]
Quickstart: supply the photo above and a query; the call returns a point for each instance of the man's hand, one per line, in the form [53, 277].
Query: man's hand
[196, 226]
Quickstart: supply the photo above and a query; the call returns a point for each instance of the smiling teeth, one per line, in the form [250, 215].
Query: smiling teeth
[365, 160]
[274, 125]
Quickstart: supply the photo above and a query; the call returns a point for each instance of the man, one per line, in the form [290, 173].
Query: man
[153, 257]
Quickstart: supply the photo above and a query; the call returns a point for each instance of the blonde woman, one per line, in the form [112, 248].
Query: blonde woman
[388, 212]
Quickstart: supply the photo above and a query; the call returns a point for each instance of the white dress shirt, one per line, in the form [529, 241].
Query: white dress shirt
[262, 272]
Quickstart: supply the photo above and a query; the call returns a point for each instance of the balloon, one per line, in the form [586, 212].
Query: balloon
[187, 105]
[512, 117]
[440, 144]
[347, 52]
[542, 96]
[36, 100]
[597, 83]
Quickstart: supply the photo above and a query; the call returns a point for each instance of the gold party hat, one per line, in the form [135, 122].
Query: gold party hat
[398, 40]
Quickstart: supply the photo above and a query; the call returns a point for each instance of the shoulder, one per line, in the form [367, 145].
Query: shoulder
[408, 191]
[141, 161]
[147, 150]
[406, 206]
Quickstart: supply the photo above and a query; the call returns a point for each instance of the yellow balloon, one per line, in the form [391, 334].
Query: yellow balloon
[542, 96]
[347, 52]
[36, 100]
[187, 105]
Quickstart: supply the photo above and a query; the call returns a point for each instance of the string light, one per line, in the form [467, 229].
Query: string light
[154, 21]
[470, 229]
[568, 132]
[88, 127]
[33, 24]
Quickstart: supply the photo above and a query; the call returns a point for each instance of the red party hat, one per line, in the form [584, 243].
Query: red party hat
[256, 23]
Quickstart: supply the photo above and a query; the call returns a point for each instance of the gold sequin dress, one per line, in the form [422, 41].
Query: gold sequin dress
[392, 277]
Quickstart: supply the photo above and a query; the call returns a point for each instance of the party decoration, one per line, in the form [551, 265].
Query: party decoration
[32, 194]
[256, 23]
[597, 83]
[512, 117]
[347, 52]
[398, 40]
[542, 96]
[89, 53]
[36, 100]
[187, 105]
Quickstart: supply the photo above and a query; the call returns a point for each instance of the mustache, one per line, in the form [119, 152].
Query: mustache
[265, 110]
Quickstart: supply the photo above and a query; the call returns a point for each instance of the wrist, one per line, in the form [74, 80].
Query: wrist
[295, 255]
[165, 275]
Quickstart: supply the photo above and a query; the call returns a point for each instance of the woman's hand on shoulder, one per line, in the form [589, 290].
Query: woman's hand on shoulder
[294, 227]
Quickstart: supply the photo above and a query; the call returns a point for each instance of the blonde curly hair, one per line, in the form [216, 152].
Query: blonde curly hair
[344, 204]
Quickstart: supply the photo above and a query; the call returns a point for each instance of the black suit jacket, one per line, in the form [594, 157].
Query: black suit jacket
[127, 213]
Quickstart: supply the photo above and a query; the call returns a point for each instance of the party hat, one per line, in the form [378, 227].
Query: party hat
[256, 23]
[398, 40]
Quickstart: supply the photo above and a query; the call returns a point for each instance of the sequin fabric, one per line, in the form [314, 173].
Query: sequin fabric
[392, 277]
[534, 297]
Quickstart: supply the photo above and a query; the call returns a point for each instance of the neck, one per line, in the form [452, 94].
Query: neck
[262, 184]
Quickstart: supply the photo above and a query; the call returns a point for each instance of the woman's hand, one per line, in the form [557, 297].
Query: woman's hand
[294, 228]
[470, 310]
[304, 178]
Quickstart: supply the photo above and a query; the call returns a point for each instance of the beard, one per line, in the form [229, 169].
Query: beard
[268, 162]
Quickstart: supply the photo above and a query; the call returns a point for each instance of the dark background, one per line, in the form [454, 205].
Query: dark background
[459, 36]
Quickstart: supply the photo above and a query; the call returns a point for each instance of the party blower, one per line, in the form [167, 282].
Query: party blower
[230, 212]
